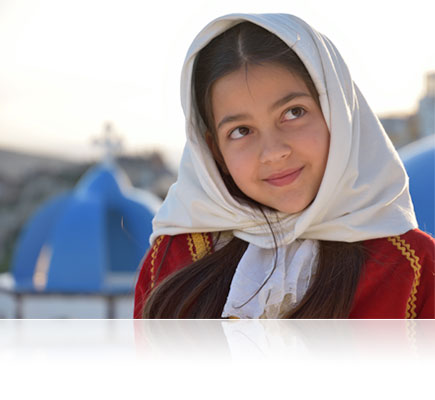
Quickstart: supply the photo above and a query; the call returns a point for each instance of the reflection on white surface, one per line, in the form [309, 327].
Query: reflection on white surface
[216, 358]
[245, 340]
[66, 340]
[219, 340]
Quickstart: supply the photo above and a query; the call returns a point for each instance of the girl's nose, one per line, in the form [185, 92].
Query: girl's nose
[274, 148]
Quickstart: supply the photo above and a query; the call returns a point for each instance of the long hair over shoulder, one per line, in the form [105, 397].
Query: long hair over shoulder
[200, 289]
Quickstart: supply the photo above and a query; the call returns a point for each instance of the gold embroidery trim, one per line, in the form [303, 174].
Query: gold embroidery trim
[154, 253]
[207, 243]
[199, 245]
[190, 244]
[409, 253]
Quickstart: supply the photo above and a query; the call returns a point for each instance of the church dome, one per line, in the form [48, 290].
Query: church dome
[88, 240]
[419, 160]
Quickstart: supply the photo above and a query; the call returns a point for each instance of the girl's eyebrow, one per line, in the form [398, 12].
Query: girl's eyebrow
[232, 118]
[277, 104]
[287, 98]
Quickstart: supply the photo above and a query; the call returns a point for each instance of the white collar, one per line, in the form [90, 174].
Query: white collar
[284, 289]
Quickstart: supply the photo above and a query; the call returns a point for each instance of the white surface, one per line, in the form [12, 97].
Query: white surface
[58, 306]
[123, 307]
[7, 305]
[216, 359]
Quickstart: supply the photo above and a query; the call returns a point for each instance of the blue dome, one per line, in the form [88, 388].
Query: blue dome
[419, 160]
[88, 240]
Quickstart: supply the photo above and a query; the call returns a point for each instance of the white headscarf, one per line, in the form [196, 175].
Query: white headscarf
[364, 192]
[363, 195]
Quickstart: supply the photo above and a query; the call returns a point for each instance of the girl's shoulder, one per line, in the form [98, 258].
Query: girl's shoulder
[179, 249]
[167, 255]
[414, 240]
[398, 278]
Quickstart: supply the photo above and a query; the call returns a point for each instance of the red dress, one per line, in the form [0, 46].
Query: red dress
[397, 280]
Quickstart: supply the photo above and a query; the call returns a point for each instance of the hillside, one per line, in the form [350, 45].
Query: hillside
[15, 165]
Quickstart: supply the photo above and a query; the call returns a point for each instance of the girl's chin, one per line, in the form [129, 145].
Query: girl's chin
[286, 209]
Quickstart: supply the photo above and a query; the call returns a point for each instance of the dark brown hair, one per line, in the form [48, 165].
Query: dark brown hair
[200, 289]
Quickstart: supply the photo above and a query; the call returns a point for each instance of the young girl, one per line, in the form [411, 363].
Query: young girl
[291, 201]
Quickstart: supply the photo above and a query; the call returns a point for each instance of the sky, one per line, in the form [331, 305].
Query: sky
[68, 67]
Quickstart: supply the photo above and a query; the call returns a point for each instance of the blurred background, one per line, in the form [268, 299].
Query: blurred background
[92, 130]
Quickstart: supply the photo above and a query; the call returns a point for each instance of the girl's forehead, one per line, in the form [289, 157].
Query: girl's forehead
[272, 70]
[263, 82]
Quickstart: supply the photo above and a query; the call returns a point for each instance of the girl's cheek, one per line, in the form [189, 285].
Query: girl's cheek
[233, 160]
[316, 134]
[237, 159]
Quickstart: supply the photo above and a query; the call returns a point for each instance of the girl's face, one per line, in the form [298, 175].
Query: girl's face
[272, 135]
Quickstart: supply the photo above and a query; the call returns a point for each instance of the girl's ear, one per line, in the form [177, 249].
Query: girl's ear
[216, 153]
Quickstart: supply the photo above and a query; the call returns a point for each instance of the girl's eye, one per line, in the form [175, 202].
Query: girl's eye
[239, 132]
[294, 113]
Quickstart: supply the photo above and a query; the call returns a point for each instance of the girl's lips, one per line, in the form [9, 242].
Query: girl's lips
[284, 178]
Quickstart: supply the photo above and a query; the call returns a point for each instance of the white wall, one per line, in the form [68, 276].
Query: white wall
[55, 306]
